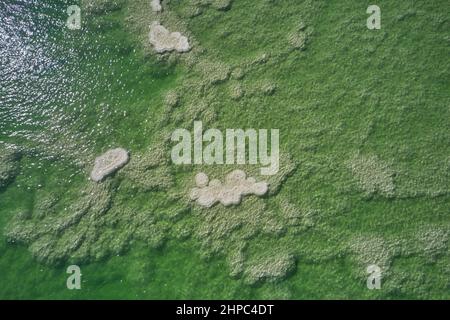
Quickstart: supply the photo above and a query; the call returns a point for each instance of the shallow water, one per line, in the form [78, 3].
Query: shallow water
[67, 96]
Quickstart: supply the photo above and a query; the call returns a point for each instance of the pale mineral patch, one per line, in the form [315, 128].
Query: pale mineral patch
[373, 175]
[297, 40]
[236, 92]
[164, 41]
[373, 249]
[208, 193]
[221, 5]
[213, 72]
[108, 163]
[432, 241]
[156, 5]
[272, 268]
[201, 180]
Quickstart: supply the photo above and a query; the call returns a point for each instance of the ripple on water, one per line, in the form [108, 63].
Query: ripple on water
[63, 93]
[41, 79]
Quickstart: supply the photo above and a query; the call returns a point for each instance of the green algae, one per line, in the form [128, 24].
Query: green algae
[328, 211]
[9, 165]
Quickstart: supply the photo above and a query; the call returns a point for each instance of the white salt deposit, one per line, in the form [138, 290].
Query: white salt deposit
[108, 163]
[163, 40]
[156, 5]
[208, 193]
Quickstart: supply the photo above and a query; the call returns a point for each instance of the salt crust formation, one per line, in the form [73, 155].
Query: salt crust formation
[108, 163]
[208, 193]
[163, 40]
[156, 5]
[373, 175]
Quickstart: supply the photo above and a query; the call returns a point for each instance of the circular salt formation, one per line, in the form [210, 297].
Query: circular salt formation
[215, 183]
[156, 5]
[235, 177]
[260, 188]
[201, 180]
[108, 163]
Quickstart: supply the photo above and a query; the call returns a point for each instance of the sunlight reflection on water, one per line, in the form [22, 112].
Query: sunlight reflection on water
[39, 78]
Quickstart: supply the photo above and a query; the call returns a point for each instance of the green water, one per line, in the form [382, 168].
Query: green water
[66, 94]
